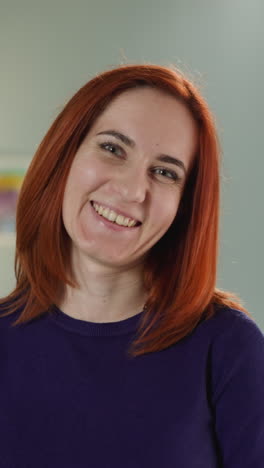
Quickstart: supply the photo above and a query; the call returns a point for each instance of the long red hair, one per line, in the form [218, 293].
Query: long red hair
[180, 273]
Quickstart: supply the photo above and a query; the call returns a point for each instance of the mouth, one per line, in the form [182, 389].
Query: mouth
[114, 217]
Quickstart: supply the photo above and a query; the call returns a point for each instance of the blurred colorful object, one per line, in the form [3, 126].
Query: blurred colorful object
[10, 184]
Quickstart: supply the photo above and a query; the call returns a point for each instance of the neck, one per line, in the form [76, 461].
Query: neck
[105, 294]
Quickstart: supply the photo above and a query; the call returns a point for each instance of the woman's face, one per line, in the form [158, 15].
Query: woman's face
[131, 168]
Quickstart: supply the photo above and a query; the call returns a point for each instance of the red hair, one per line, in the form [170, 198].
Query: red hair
[180, 273]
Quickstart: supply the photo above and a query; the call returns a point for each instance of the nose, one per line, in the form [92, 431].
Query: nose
[132, 185]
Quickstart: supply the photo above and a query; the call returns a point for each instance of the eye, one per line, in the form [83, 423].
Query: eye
[167, 176]
[112, 148]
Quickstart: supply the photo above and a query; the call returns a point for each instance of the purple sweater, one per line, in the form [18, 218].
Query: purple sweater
[71, 398]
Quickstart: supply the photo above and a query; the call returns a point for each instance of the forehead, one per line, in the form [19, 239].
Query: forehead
[151, 118]
[144, 101]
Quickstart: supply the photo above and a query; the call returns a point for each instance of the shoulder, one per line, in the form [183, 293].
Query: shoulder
[236, 384]
[233, 327]
[236, 353]
[235, 334]
[231, 337]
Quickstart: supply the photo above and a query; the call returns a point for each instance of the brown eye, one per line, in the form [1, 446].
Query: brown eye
[166, 175]
[112, 148]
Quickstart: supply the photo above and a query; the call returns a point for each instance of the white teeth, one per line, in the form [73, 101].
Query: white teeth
[131, 223]
[105, 212]
[114, 217]
[126, 221]
[120, 220]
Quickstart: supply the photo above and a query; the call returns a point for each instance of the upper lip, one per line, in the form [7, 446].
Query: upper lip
[116, 210]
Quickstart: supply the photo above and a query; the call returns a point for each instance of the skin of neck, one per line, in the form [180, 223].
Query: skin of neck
[106, 294]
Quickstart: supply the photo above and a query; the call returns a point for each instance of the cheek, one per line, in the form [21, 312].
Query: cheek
[84, 175]
[83, 179]
[166, 207]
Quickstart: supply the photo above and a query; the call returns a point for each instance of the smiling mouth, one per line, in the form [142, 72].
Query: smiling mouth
[114, 217]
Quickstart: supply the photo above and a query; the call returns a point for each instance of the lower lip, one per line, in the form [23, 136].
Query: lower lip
[109, 224]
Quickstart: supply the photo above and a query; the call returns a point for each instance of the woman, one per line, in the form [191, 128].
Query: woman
[117, 348]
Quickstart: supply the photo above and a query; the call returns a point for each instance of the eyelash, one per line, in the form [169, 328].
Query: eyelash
[108, 143]
[172, 174]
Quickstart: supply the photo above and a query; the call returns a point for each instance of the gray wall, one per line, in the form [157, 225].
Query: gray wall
[49, 49]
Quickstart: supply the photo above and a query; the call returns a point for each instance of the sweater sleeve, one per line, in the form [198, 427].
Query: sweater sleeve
[238, 393]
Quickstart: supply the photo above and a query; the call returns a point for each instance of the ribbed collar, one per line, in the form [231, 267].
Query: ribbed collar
[83, 327]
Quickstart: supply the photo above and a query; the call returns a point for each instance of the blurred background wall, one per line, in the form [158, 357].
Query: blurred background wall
[49, 49]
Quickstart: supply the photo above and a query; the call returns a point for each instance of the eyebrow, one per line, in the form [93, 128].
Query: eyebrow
[131, 143]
